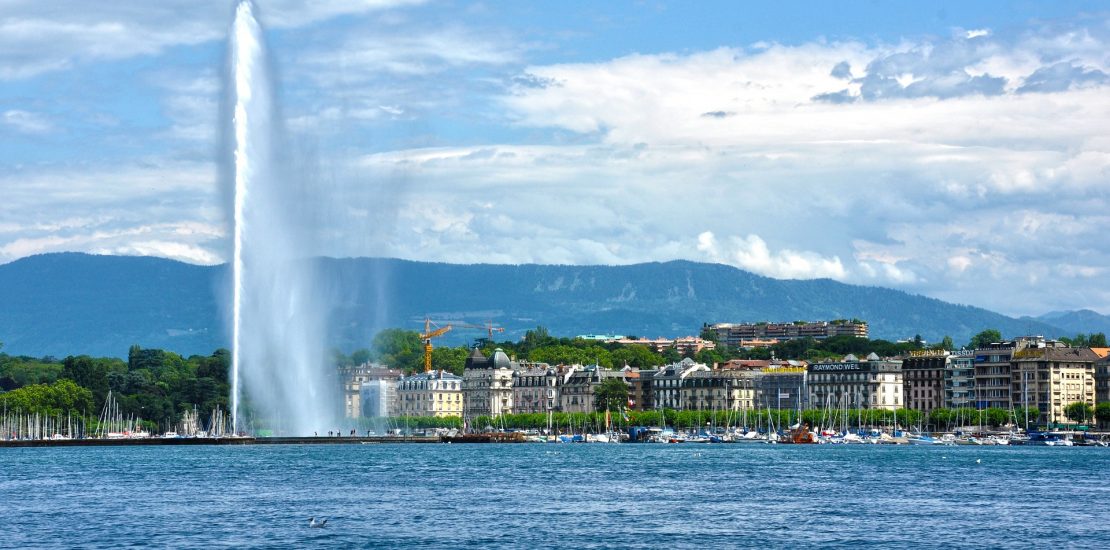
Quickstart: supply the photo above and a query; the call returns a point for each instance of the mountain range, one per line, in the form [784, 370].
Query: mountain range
[71, 303]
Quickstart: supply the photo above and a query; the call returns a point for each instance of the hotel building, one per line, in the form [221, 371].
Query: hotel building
[873, 383]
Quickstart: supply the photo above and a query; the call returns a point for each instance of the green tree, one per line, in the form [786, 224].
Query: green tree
[57, 398]
[984, 338]
[946, 343]
[941, 418]
[1033, 414]
[1102, 413]
[452, 360]
[611, 395]
[671, 356]
[709, 334]
[709, 357]
[535, 338]
[1079, 412]
[636, 356]
[399, 349]
[360, 356]
[1098, 340]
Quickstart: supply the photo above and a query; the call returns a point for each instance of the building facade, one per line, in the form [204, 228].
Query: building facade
[959, 380]
[640, 395]
[579, 384]
[368, 390]
[666, 384]
[873, 383]
[434, 393]
[734, 335]
[923, 379]
[487, 384]
[718, 390]
[782, 387]
[992, 375]
[1051, 378]
[686, 345]
[536, 389]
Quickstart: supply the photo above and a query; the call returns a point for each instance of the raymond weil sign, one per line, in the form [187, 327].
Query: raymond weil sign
[835, 367]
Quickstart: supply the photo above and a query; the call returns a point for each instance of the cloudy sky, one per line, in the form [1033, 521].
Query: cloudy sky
[961, 152]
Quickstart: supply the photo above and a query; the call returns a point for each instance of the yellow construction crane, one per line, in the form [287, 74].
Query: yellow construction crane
[430, 333]
[427, 336]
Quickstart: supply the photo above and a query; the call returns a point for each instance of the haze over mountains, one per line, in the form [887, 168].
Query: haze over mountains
[70, 303]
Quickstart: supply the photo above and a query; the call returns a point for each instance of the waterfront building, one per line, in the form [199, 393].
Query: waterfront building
[487, 384]
[993, 378]
[736, 335]
[873, 383]
[640, 395]
[536, 389]
[666, 384]
[959, 380]
[1051, 378]
[923, 379]
[434, 393]
[718, 390]
[368, 390]
[1102, 379]
[579, 384]
[782, 386]
[992, 375]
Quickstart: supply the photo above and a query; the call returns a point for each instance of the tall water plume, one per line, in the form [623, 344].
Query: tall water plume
[277, 322]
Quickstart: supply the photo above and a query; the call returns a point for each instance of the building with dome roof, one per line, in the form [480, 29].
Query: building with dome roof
[487, 384]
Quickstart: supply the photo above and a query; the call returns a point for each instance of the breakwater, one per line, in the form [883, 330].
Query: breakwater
[191, 441]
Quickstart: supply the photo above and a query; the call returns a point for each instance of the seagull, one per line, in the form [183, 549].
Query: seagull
[313, 523]
[977, 461]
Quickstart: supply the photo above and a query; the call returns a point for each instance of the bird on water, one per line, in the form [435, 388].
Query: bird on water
[313, 523]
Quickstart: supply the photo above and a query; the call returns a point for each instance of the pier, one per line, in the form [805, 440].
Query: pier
[170, 441]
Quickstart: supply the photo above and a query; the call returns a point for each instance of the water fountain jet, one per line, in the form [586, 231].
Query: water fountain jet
[277, 324]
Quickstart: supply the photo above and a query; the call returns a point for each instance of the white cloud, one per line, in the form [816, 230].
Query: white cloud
[961, 167]
[25, 122]
[38, 37]
[140, 208]
[752, 253]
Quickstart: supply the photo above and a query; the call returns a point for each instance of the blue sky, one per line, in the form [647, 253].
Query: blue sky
[958, 150]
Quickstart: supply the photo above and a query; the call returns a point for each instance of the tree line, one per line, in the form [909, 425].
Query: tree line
[155, 385]
[403, 349]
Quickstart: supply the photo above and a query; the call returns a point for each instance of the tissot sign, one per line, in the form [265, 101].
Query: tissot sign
[834, 367]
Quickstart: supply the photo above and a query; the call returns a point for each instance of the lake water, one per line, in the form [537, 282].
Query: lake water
[573, 496]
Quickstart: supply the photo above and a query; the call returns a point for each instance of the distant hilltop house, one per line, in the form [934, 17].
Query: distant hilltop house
[746, 335]
[686, 345]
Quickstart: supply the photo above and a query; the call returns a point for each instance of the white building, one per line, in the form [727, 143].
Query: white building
[435, 393]
[487, 384]
[369, 389]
